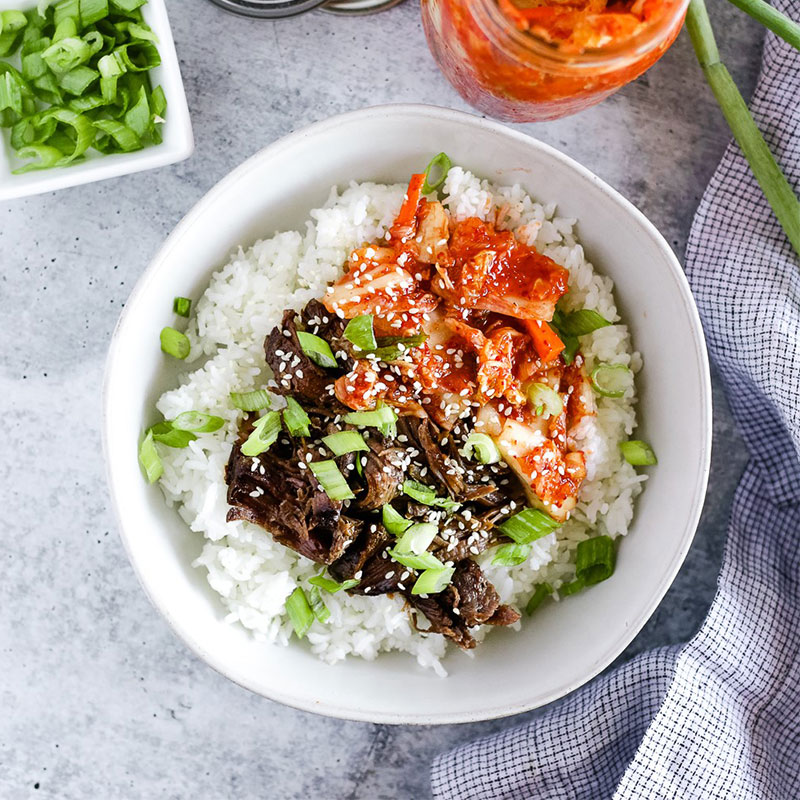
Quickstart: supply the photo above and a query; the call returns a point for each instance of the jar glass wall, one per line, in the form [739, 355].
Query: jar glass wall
[513, 75]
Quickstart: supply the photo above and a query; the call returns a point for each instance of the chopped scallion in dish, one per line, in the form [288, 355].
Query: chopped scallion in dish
[360, 332]
[149, 459]
[300, 612]
[393, 521]
[295, 418]
[265, 434]
[317, 349]
[638, 453]
[528, 526]
[433, 581]
[482, 447]
[417, 538]
[331, 586]
[331, 480]
[545, 401]
[197, 422]
[344, 442]
[612, 380]
[174, 343]
[439, 166]
[509, 555]
[595, 559]
[251, 401]
[83, 81]
[182, 306]
[540, 594]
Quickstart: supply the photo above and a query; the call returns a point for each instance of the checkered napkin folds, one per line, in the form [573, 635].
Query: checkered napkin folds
[718, 717]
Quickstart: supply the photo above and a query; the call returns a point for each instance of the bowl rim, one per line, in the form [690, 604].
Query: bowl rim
[404, 110]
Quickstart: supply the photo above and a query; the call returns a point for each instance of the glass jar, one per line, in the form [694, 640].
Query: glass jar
[515, 76]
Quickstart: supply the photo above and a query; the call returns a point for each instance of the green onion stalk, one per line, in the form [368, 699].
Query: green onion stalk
[771, 18]
[776, 188]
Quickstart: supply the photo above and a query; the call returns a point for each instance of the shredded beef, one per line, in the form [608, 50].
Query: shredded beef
[447, 465]
[295, 373]
[470, 600]
[275, 492]
[379, 575]
[382, 476]
[289, 504]
[369, 542]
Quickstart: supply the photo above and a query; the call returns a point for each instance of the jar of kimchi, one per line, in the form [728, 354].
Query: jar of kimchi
[532, 60]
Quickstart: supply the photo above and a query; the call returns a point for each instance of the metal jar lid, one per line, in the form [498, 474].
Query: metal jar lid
[274, 9]
[268, 9]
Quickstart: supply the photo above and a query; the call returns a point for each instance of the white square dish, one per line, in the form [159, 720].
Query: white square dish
[177, 145]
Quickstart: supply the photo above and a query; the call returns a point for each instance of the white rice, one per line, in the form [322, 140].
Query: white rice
[252, 574]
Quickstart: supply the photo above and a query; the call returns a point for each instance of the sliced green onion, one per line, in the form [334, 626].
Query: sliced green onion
[164, 432]
[427, 496]
[579, 323]
[545, 401]
[781, 194]
[296, 419]
[638, 453]
[612, 380]
[174, 343]
[12, 24]
[69, 132]
[417, 538]
[360, 332]
[391, 348]
[48, 157]
[420, 562]
[117, 138]
[433, 581]
[78, 80]
[149, 459]
[443, 164]
[331, 480]
[595, 559]
[139, 56]
[332, 586]
[509, 555]
[317, 349]
[265, 433]
[345, 442]
[251, 401]
[92, 11]
[384, 418]
[127, 5]
[540, 593]
[182, 306]
[321, 611]
[197, 422]
[572, 588]
[571, 346]
[527, 526]
[138, 118]
[394, 522]
[300, 612]
[482, 446]
[66, 54]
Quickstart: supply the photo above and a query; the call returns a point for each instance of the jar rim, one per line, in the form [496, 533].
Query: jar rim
[502, 32]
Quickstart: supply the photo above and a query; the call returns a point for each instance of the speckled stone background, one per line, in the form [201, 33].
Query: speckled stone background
[98, 699]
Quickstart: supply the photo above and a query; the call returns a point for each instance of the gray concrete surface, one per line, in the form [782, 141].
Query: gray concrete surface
[97, 697]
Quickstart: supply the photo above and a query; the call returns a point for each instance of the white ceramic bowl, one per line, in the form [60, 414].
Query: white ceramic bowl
[177, 145]
[565, 644]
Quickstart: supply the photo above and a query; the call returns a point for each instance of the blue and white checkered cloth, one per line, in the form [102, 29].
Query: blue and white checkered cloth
[718, 717]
